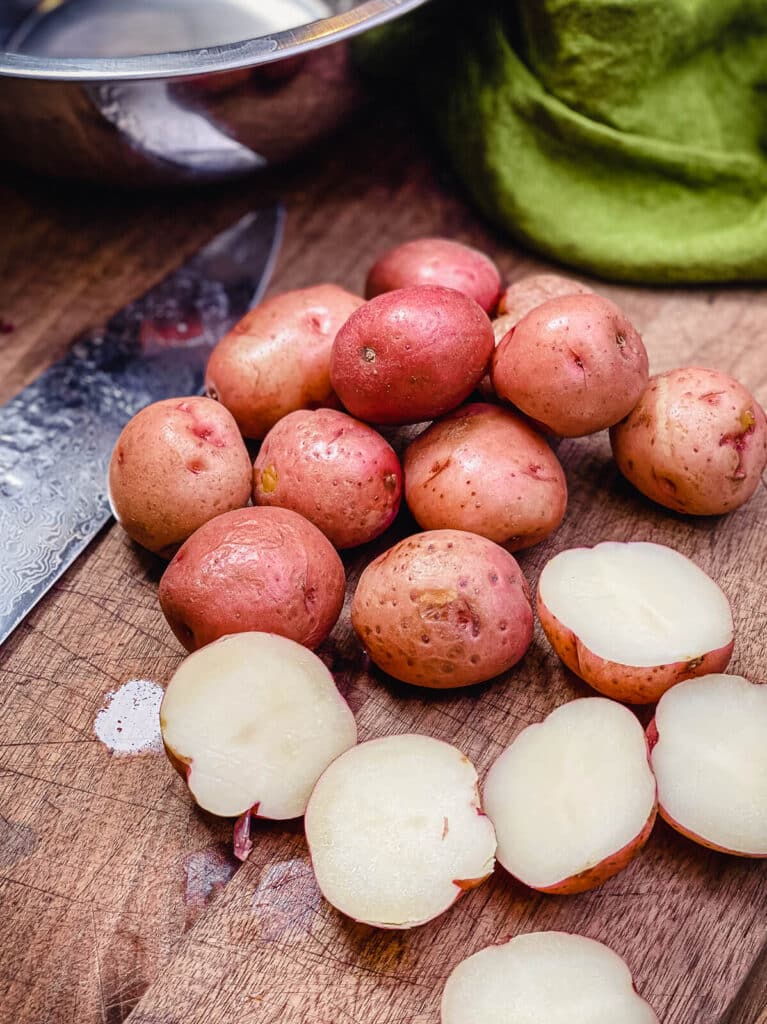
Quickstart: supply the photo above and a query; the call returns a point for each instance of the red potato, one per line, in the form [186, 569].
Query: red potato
[696, 442]
[484, 469]
[251, 722]
[521, 298]
[437, 261]
[262, 569]
[574, 364]
[396, 833]
[633, 620]
[177, 464]
[501, 327]
[443, 609]
[337, 472]
[526, 294]
[544, 978]
[411, 355]
[277, 358]
[572, 799]
[708, 745]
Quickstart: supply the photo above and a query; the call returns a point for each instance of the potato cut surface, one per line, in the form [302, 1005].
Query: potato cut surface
[258, 718]
[544, 978]
[395, 830]
[710, 760]
[571, 792]
[636, 604]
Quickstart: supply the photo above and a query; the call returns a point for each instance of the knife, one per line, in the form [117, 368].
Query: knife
[57, 435]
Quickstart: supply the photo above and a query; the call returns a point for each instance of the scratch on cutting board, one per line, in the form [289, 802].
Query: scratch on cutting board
[129, 721]
[286, 900]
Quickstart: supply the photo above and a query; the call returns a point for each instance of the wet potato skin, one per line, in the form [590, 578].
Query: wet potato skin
[277, 358]
[334, 470]
[484, 469]
[411, 354]
[575, 364]
[443, 609]
[437, 261]
[262, 569]
[696, 442]
[177, 464]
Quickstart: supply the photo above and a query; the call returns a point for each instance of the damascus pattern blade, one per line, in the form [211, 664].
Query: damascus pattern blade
[57, 435]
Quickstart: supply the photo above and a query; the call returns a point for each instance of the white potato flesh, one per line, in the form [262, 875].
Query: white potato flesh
[637, 604]
[258, 719]
[710, 761]
[570, 792]
[544, 978]
[395, 830]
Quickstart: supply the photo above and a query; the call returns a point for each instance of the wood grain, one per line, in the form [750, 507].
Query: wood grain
[95, 848]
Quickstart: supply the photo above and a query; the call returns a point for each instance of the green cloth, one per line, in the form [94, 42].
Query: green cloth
[627, 138]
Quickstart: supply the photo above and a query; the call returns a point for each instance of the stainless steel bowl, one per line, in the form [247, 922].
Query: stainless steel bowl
[81, 98]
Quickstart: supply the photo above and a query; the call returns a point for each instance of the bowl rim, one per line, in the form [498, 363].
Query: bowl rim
[212, 59]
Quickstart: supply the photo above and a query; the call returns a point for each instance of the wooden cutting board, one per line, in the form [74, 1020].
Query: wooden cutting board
[114, 888]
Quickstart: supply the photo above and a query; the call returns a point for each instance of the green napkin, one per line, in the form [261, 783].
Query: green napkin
[624, 137]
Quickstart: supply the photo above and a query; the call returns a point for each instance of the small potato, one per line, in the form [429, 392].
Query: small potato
[277, 358]
[337, 472]
[528, 293]
[696, 442]
[411, 355]
[266, 570]
[443, 609]
[575, 364]
[501, 327]
[437, 261]
[177, 464]
[484, 469]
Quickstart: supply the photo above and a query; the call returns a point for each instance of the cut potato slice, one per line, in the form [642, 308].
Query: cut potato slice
[634, 619]
[544, 978]
[573, 799]
[395, 831]
[709, 755]
[252, 721]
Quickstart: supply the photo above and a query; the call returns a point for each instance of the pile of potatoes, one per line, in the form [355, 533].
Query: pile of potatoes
[255, 581]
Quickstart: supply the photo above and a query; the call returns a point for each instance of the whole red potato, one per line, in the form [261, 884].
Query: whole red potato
[574, 364]
[266, 570]
[484, 469]
[526, 294]
[695, 442]
[437, 261]
[337, 472]
[277, 358]
[443, 609]
[411, 354]
[177, 464]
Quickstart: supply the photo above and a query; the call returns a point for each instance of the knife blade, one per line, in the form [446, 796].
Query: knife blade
[56, 436]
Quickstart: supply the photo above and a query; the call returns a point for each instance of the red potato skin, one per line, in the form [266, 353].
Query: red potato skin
[696, 442]
[634, 685]
[262, 569]
[277, 358]
[437, 261]
[411, 355]
[652, 739]
[485, 470]
[443, 609]
[177, 464]
[526, 294]
[575, 364]
[334, 470]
